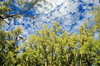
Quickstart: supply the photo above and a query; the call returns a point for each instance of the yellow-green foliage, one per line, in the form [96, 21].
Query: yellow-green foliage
[65, 49]
[97, 19]
[51, 46]
[8, 46]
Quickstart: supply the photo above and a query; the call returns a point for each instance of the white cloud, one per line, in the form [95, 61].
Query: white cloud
[67, 11]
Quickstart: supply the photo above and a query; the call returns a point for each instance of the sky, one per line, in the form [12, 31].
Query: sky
[69, 13]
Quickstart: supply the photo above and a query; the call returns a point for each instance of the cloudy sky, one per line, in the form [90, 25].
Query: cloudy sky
[70, 13]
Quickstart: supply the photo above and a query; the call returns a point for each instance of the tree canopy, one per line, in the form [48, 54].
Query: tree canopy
[50, 46]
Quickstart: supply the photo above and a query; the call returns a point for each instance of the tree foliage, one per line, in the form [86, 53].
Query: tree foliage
[58, 47]
[12, 9]
[50, 46]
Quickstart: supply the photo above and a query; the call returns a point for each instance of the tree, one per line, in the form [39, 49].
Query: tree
[10, 40]
[96, 20]
[56, 47]
[9, 46]
[50, 46]
[16, 8]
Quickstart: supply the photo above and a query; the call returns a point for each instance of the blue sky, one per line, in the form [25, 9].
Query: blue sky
[70, 13]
